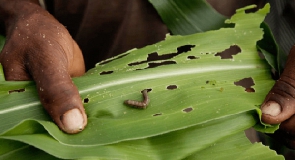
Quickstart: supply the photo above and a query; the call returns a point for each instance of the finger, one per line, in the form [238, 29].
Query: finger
[60, 97]
[279, 104]
[13, 67]
[57, 93]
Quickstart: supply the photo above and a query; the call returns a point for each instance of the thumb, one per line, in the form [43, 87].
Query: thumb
[57, 93]
[279, 104]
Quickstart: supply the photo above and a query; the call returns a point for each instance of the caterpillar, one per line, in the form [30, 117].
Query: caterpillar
[139, 104]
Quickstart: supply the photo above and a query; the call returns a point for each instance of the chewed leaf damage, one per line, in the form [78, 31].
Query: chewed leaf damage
[246, 83]
[228, 53]
[17, 90]
[155, 60]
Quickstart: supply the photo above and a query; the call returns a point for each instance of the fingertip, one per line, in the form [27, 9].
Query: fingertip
[271, 108]
[73, 121]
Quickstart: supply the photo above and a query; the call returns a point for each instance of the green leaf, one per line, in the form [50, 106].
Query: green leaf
[194, 16]
[195, 100]
[2, 78]
[239, 146]
[20, 151]
[189, 16]
[271, 50]
[268, 47]
[174, 145]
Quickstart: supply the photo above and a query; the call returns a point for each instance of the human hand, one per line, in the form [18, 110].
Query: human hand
[279, 104]
[38, 47]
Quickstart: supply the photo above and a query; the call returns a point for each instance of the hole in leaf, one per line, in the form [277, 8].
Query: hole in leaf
[186, 110]
[85, 100]
[246, 83]
[184, 48]
[106, 72]
[155, 56]
[153, 64]
[229, 25]
[157, 114]
[192, 57]
[16, 91]
[228, 53]
[171, 87]
[152, 57]
[250, 90]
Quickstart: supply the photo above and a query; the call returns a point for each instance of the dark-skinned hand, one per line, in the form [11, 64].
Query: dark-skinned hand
[39, 48]
[279, 104]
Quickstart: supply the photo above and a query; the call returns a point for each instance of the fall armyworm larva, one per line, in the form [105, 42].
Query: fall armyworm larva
[140, 104]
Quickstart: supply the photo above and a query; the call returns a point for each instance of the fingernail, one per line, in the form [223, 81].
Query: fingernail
[73, 121]
[271, 108]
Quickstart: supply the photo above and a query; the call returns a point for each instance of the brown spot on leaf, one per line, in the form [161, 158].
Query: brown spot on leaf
[157, 114]
[171, 87]
[186, 110]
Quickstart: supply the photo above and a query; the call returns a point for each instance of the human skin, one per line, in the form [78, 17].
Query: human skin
[38, 47]
[279, 104]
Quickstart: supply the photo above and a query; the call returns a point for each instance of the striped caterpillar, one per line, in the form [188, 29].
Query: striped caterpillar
[140, 104]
